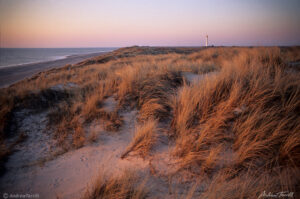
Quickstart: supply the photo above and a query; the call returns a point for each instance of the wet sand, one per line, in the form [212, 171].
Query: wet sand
[13, 74]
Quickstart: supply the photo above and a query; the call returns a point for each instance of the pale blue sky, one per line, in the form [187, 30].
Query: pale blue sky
[96, 23]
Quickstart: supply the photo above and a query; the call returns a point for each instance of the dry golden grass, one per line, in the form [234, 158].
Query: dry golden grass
[248, 113]
[125, 186]
[145, 137]
[239, 127]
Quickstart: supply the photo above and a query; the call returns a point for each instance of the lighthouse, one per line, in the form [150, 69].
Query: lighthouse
[206, 42]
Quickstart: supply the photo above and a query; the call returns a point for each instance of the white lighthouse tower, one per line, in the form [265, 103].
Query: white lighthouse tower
[206, 42]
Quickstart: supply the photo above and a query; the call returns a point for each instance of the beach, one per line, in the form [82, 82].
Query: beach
[149, 99]
[13, 74]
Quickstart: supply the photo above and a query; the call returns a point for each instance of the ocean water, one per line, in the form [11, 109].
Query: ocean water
[19, 56]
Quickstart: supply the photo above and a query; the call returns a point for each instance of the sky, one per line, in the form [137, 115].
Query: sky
[119, 23]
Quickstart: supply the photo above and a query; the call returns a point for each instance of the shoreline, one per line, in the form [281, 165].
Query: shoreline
[13, 74]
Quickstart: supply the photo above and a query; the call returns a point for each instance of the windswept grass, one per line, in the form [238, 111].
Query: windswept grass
[125, 186]
[238, 123]
[238, 129]
[145, 137]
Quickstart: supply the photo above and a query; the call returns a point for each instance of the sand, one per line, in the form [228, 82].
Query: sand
[13, 74]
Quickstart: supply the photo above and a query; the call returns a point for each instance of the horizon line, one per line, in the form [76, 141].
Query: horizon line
[182, 46]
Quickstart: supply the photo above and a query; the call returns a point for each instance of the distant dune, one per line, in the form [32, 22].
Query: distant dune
[154, 122]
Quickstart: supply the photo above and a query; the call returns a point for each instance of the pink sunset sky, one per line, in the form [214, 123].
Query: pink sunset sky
[118, 23]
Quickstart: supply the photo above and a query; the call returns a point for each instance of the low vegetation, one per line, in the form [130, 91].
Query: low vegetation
[144, 138]
[127, 185]
[236, 127]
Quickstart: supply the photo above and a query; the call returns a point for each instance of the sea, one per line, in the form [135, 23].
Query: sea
[19, 56]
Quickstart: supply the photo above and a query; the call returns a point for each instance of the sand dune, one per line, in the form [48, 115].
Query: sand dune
[143, 122]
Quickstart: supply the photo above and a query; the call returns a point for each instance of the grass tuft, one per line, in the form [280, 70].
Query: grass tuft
[145, 137]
